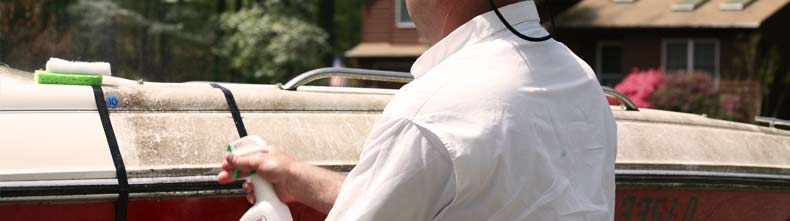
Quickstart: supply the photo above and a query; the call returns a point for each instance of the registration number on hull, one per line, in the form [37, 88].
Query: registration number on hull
[701, 205]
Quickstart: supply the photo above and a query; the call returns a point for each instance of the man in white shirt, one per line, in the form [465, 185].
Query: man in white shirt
[493, 127]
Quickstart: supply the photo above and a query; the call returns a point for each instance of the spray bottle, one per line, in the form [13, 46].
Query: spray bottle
[267, 206]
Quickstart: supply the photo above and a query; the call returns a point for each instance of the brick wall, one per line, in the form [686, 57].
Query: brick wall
[642, 47]
[747, 95]
[378, 24]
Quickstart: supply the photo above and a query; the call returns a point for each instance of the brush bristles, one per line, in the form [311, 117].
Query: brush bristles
[43, 77]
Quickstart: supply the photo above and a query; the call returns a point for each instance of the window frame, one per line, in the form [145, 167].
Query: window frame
[599, 59]
[690, 54]
[398, 22]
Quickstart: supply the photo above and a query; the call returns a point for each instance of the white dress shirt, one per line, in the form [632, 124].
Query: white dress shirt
[492, 128]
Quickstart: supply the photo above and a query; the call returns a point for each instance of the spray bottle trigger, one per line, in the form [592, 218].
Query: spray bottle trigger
[237, 173]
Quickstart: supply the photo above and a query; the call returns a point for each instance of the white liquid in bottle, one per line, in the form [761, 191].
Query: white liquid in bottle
[267, 206]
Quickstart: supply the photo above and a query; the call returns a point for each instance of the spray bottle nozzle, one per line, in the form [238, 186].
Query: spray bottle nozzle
[267, 206]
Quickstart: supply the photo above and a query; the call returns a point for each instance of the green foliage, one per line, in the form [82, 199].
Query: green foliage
[758, 60]
[686, 92]
[692, 92]
[30, 30]
[267, 43]
[260, 41]
[97, 18]
[756, 63]
[348, 22]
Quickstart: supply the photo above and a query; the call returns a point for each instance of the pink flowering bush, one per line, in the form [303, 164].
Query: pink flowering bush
[688, 92]
[733, 108]
[639, 86]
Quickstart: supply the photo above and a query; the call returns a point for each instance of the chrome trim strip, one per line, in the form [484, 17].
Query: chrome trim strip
[59, 188]
[772, 122]
[162, 180]
[403, 77]
[702, 174]
[51, 183]
[209, 179]
[91, 197]
[104, 182]
[351, 73]
[188, 186]
[624, 100]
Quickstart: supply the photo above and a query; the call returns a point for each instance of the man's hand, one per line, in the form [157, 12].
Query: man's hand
[293, 180]
[273, 165]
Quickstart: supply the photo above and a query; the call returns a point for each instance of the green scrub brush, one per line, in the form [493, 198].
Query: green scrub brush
[44, 77]
[61, 71]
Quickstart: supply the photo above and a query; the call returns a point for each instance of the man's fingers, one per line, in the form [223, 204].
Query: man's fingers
[248, 188]
[251, 198]
[243, 163]
[224, 177]
[225, 164]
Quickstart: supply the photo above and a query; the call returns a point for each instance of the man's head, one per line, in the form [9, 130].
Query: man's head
[435, 19]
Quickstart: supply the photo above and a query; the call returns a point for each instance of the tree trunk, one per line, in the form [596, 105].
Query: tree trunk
[220, 5]
[327, 22]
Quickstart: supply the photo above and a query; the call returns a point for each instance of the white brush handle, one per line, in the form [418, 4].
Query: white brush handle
[56, 65]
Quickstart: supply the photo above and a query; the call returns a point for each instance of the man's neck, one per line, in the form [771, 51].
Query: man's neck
[458, 13]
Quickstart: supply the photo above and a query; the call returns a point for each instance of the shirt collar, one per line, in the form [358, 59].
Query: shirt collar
[472, 32]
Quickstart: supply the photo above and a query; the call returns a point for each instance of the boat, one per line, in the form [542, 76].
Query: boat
[137, 150]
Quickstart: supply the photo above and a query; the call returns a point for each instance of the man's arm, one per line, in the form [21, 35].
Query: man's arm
[293, 181]
[316, 187]
[405, 172]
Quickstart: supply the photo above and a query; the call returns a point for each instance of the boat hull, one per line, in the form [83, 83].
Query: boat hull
[172, 136]
[203, 208]
[631, 204]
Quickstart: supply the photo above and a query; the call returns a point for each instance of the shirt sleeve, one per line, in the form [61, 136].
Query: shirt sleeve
[404, 173]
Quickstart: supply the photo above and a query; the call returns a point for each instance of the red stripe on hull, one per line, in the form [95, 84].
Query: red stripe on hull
[57, 211]
[631, 205]
[694, 205]
[177, 209]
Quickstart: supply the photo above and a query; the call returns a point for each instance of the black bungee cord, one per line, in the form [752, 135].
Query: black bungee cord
[515, 32]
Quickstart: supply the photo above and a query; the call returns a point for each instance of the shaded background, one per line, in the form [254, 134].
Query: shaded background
[269, 41]
[256, 41]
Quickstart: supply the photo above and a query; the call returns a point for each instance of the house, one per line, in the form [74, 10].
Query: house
[390, 40]
[717, 37]
[616, 36]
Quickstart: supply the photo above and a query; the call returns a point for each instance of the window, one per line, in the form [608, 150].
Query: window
[734, 5]
[609, 63]
[687, 5]
[704, 57]
[676, 56]
[402, 19]
[692, 55]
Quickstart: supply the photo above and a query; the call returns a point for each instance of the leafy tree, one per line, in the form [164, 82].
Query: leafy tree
[758, 60]
[30, 30]
[348, 25]
[259, 41]
[98, 17]
[271, 41]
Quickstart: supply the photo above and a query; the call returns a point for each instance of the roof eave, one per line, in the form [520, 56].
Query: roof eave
[754, 25]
